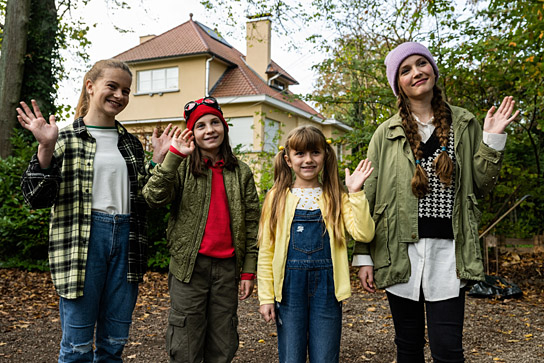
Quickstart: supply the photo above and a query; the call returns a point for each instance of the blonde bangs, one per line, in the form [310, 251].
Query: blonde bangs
[306, 139]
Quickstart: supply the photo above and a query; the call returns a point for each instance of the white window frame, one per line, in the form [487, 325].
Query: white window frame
[161, 80]
[340, 151]
[241, 133]
[271, 130]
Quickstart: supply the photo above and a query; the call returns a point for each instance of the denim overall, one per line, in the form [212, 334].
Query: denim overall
[309, 318]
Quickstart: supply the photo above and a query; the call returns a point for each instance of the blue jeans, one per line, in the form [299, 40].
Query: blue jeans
[108, 299]
[309, 318]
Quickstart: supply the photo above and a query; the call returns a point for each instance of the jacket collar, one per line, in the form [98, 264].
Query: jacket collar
[395, 128]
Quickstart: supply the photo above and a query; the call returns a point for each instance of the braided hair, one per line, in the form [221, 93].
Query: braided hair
[442, 164]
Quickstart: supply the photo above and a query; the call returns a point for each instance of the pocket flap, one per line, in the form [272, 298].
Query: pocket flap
[379, 208]
[176, 318]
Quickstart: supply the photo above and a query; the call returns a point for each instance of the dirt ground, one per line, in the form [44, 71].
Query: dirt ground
[510, 330]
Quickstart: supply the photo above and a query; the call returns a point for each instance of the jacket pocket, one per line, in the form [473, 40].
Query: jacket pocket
[474, 216]
[379, 249]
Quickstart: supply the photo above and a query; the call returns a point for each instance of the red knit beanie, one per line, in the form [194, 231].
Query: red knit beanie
[200, 110]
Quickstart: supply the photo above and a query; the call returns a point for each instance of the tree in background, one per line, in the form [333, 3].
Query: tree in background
[33, 71]
[498, 52]
[485, 51]
[12, 59]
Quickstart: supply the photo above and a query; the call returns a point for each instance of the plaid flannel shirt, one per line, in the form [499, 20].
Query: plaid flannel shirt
[67, 187]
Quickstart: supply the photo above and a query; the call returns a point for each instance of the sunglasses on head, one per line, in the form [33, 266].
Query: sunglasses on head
[208, 101]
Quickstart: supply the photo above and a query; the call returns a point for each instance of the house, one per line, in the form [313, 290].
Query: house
[192, 60]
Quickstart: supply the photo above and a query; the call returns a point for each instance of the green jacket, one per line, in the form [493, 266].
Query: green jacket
[172, 182]
[395, 208]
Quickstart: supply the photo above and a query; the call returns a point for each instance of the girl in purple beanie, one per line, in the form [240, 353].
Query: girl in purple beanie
[431, 163]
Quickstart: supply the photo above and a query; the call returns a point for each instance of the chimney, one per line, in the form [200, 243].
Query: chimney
[258, 39]
[145, 38]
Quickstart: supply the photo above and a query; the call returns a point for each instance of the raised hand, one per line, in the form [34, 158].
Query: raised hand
[496, 122]
[45, 133]
[184, 141]
[355, 181]
[162, 143]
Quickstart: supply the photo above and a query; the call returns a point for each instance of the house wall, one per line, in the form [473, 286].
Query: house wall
[169, 104]
[217, 69]
[145, 111]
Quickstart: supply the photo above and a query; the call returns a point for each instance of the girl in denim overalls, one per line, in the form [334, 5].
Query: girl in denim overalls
[303, 272]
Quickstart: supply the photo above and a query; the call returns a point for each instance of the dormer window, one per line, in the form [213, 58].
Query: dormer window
[158, 80]
[278, 85]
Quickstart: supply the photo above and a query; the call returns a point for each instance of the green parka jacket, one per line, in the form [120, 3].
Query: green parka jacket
[173, 182]
[395, 208]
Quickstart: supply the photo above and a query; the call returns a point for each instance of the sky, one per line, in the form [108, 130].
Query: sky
[160, 16]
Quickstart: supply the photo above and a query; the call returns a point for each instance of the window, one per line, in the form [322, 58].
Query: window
[271, 136]
[241, 133]
[158, 80]
[339, 151]
[278, 85]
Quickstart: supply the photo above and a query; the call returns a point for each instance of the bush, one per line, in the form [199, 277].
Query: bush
[23, 231]
[159, 255]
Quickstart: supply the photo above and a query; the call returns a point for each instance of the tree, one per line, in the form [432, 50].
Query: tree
[499, 52]
[14, 42]
[484, 50]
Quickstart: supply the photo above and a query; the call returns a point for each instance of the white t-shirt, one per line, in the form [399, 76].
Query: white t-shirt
[308, 197]
[111, 183]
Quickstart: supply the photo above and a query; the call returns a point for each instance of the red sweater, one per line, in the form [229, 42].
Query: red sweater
[217, 239]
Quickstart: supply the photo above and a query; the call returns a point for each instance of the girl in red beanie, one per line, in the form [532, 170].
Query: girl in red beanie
[431, 162]
[212, 235]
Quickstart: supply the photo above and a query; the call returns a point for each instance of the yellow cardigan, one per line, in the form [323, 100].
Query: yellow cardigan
[273, 256]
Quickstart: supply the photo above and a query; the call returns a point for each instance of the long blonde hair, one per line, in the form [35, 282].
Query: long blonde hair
[305, 138]
[442, 122]
[93, 74]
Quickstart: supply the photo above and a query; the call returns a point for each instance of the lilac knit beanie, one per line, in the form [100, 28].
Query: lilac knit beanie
[398, 55]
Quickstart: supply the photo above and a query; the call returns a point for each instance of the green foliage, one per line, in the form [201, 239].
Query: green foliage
[23, 231]
[484, 50]
[159, 255]
[262, 162]
[502, 53]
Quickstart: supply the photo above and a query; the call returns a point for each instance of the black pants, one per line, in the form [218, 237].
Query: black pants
[444, 323]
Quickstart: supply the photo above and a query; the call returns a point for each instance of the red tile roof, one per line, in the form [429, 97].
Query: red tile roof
[192, 38]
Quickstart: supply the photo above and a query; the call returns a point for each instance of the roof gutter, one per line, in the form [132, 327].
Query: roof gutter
[207, 86]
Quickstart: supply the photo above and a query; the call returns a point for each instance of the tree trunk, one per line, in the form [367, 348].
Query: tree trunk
[40, 73]
[11, 68]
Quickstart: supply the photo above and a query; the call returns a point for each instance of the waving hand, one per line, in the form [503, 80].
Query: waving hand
[496, 122]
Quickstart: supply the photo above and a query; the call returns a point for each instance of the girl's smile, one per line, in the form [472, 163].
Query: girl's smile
[209, 134]
[416, 77]
[307, 165]
[108, 96]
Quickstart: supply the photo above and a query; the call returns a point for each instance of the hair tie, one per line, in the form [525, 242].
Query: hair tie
[329, 141]
[418, 162]
[281, 147]
[443, 148]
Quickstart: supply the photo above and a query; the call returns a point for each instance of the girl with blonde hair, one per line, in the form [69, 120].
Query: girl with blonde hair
[91, 173]
[303, 270]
